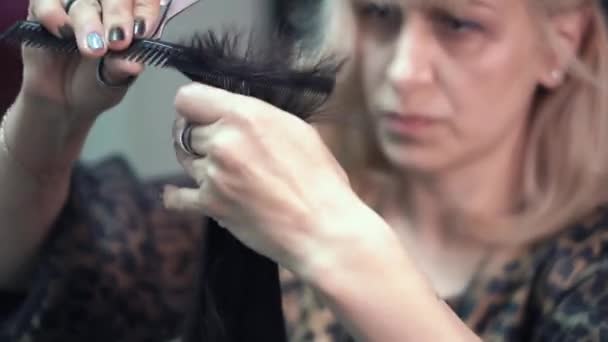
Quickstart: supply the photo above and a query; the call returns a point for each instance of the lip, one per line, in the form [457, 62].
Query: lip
[408, 124]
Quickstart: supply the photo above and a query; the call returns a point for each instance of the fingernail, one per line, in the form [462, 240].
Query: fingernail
[94, 41]
[139, 27]
[116, 34]
[66, 31]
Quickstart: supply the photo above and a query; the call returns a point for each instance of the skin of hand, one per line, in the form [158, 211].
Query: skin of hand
[265, 175]
[44, 130]
[68, 81]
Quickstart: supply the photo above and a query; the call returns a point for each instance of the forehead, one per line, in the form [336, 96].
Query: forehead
[451, 5]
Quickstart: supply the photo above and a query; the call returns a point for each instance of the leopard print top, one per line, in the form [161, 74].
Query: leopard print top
[118, 267]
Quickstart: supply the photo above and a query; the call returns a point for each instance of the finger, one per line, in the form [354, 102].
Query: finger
[205, 105]
[200, 171]
[181, 199]
[196, 137]
[85, 17]
[117, 71]
[146, 14]
[196, 168]
[118, 23]
[184, 159]
[200, 136]
[51, 14]
[178, 125]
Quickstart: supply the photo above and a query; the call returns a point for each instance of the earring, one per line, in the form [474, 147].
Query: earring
[556, 75]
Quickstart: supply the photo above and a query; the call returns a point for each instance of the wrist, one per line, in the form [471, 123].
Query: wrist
[43, 138]
[371, 284]
[53, 111]
[348, 244]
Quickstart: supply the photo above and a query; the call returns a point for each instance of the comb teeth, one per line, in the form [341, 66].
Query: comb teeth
[214, 61]
[32, 34]
[150, 52]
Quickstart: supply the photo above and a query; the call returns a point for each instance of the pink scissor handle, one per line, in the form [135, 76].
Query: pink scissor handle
[168, 10]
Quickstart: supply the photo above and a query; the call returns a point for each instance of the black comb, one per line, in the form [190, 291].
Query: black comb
[32, 34]
[267, 74]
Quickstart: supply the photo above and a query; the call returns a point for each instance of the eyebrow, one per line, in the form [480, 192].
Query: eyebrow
[379, 2]
[451, 5]
[459, 6]
[485, 4]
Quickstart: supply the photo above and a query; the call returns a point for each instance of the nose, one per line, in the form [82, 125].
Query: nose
[413, 58]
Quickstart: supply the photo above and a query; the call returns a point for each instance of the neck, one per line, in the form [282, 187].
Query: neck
[487, 187]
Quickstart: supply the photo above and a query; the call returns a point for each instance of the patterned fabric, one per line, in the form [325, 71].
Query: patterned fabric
[556, 290]
[117, 268]
[120, 268]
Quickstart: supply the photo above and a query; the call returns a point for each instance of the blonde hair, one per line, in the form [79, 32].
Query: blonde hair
[565, 166]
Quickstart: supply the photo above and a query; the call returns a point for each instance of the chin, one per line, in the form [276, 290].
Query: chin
[416, 159]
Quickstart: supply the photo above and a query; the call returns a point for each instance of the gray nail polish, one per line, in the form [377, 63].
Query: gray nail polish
[95, 41]
[116, 34]
[139, 27]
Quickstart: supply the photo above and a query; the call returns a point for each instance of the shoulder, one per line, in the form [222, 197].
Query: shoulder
[110, 193]
[572, 295]
[116, 224]
[575, 258]
[120, 223]
[114, 243]
[307, 317]
[580, 250]
[114, 175]
[115, 207]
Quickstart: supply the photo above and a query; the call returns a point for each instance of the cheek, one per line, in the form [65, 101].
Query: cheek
[493, 91]
[375, 60]
[489, 112]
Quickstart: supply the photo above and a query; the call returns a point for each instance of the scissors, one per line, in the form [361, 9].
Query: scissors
[168, 10]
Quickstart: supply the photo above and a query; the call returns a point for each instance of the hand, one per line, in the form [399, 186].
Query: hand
[69, 83]
[265, 174]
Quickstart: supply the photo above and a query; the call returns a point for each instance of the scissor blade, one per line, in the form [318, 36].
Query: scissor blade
[168, 10]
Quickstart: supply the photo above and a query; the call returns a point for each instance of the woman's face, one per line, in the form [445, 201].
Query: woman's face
[448, 86]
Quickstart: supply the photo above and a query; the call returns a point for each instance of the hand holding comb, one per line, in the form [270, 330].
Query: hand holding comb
[267, 74]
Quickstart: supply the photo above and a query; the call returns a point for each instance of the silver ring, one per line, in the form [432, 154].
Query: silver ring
[102, 80]
[185, 141]
[68, 5]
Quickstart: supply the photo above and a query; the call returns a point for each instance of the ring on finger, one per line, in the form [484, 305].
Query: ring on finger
[68, 5]
[114, 85]
[185, 141]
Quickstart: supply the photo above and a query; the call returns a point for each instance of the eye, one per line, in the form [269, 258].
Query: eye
[380, 16]
[455, 24]
[377, 11]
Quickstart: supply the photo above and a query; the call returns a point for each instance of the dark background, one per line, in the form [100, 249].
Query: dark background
[10, 64]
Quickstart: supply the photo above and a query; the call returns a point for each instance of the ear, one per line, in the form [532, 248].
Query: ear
[565, 31]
